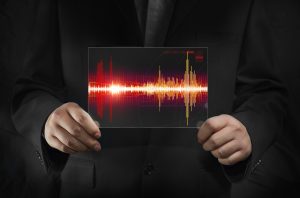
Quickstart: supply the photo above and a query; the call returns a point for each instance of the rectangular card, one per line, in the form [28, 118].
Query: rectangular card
[148, 87]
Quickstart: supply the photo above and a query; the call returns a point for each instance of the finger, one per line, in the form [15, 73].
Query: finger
[55, 143]
[67, 139]
[70, 125]
[232, 159]
[97, 123]
[211, 126]
[85, 120]
[199, 124]
[218, 139]
[226, 150]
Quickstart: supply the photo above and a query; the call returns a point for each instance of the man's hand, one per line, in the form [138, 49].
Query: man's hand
[226, 138]
[70, 129]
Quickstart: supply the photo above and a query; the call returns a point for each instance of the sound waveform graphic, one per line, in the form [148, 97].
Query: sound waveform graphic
[170, 88]
[186, 90]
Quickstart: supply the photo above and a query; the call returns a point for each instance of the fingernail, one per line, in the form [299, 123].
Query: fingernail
[97, 147]
[97, 135]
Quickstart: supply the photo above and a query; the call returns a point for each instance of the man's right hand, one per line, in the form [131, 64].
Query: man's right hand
[70, 129]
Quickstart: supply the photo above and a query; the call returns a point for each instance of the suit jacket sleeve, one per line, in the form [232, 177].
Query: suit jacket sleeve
[40, 88]
[260, 100]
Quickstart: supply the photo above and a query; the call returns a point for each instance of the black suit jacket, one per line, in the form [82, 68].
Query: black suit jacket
[135, 162]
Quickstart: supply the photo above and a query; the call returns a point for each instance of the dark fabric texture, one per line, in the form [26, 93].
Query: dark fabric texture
[22, 175]
[21, 172]
[274, 176]
[277, 174]
[243, 82]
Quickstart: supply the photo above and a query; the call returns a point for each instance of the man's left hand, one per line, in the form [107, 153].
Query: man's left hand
[226, 138]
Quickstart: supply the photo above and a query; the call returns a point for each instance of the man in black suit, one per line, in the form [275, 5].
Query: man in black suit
[246, 104]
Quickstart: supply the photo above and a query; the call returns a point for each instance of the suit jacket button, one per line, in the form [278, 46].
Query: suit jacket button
[149, 169]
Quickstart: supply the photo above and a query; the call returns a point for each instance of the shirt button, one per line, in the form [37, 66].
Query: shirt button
[149, 169]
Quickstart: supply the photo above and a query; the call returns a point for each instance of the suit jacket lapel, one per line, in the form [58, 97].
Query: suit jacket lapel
[181, 10]
[129, 15]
